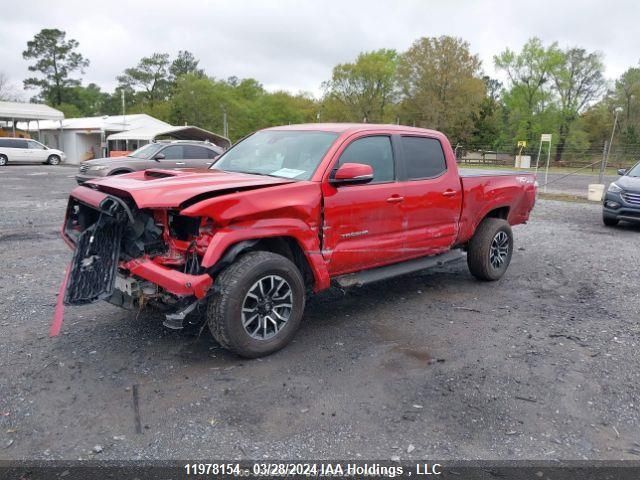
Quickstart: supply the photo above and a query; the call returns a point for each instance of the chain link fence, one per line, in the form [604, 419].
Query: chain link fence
[572, 174]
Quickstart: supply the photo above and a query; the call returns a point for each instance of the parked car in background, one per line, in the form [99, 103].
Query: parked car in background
[622, 199]
[164, 154]
[25, 150]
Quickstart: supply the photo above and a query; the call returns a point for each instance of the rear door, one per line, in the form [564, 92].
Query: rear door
[363, 223]
[17, 151]
[197, 156]
[433, 196]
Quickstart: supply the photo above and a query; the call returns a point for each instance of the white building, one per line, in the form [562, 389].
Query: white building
[86, 138]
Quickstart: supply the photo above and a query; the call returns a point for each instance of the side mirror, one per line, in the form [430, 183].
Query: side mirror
[352, 174]
[621, 171]
[159, 156]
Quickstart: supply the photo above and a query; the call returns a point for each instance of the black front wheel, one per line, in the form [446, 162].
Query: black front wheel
[3, 160]
[259, 304]
[490, 249]
[53, 160]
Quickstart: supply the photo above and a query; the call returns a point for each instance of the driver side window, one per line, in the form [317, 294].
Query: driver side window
[375, 151]
[34, 145]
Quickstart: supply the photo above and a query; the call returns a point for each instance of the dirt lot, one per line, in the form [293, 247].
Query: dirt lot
[540, 365]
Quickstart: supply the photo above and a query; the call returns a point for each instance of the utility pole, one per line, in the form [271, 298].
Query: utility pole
[613, 131]
[603, 164]
[124, 121]
[225, 126]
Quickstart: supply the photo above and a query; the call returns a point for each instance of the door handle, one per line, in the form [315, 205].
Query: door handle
[395, 199]
[180, 163]
[449, 193]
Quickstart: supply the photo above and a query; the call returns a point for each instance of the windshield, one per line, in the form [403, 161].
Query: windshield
[278, 153]
[635, 171]
[146, 151]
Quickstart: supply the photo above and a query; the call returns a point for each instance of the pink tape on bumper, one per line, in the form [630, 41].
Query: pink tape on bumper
[58, 313]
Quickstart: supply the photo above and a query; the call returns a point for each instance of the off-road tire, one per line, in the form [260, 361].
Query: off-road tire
[479, 249]
[3, 160]
[224, 312]
[53, 160]
[610, 221]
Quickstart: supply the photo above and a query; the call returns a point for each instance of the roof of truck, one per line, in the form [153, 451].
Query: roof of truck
[351, 127]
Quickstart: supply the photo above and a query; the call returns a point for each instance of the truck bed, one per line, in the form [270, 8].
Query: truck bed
[508, 194]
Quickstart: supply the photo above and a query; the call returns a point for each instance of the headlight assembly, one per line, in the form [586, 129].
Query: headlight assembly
[614, 188]
[98, 167]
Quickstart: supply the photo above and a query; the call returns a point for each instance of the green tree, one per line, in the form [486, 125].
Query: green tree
[89, 100]
[248, 106]
[365, 87]
[151, 77]
[441, 86]
[55, 59]
[627, 96]
[185, 64]
[487, 121]
[578, 80]
[529, 87]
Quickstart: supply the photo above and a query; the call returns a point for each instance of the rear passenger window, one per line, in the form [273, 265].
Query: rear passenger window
[423, 157]
[195, 152]
[374, 151]
[11, 143]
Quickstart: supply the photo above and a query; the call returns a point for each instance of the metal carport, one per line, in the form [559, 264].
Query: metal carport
[27, 112]
[186, 132]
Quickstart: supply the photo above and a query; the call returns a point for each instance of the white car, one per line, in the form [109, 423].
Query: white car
[24, 150]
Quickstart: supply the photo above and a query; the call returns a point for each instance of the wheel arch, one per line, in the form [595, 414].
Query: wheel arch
[500, 212]
[313, 271]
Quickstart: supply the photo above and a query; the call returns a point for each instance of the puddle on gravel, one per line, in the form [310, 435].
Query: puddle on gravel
[404, 353]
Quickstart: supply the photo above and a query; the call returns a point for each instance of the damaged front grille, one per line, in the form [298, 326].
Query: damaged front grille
[95, 260]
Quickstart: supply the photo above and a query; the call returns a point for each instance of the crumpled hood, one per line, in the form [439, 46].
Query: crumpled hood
[629, 183]
[157, 188]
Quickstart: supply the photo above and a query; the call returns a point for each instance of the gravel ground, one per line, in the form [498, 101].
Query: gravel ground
[540, 365]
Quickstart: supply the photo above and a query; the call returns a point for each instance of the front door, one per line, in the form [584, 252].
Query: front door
[173, 157]
[36, 152]
[363, 223]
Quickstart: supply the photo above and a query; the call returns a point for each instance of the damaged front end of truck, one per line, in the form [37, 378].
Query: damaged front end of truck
[135, 257]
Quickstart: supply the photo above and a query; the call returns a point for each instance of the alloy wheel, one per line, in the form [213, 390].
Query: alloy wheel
[267, 307]
[499, 250]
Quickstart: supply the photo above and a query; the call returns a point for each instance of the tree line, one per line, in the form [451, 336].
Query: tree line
[437, 83]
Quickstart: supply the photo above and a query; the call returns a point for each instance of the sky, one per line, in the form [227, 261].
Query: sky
[293, 45]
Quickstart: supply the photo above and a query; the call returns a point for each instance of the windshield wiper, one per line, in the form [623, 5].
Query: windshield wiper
[253, 172]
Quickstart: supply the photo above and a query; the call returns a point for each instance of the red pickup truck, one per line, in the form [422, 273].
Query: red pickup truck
[284, 213]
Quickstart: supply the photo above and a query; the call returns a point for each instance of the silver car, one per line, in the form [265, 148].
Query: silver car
[24, 150]
[163, 154]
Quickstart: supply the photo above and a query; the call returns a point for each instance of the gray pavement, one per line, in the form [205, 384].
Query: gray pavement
[541, 364]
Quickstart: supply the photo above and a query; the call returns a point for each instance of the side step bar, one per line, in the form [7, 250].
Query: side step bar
[358, 279]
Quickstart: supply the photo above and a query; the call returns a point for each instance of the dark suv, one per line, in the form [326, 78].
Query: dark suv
[622, 199]
[163, 154]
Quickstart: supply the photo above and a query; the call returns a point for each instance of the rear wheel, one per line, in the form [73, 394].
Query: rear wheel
[609, 221]
[53, 160]
[490, 249]
[3, 160]
[259, 305]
